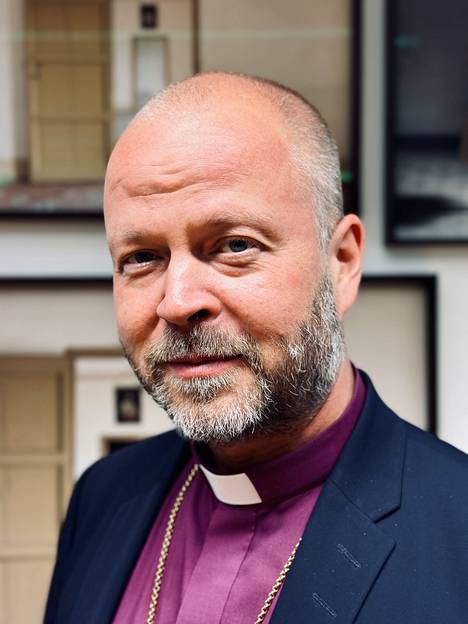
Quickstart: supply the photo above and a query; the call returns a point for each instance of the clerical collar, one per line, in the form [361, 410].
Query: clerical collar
[290, 474]
[235, 489]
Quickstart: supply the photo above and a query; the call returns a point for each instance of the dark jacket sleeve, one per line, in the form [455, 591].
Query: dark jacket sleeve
[64, 549]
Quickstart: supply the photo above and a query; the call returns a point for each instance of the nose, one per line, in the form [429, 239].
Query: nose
[188, 296]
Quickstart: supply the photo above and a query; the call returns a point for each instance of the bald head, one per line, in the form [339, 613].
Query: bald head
[312, 150]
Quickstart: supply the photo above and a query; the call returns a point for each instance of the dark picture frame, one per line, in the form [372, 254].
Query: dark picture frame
[149, 15]
[128, 405]
[426, 156]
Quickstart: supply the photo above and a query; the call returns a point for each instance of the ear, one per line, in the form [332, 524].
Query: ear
[345, 256]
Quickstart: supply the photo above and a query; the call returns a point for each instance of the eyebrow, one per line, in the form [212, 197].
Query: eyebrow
[131, 236]
[231, 218]
[218, 222]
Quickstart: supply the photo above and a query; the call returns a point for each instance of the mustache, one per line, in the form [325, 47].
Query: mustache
[202, 342]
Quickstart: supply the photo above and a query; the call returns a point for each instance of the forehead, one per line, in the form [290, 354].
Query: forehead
[198, 163]
[224, 143]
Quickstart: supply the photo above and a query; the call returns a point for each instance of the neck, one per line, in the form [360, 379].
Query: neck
[239, 456]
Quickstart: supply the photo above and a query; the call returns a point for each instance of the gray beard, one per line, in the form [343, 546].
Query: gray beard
[279, 399]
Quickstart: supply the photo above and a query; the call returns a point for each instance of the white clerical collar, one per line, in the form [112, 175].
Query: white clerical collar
[236, 489]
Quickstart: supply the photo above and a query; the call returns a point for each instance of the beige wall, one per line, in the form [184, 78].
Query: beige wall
[13, 110]
[175, 26]
[385, 333]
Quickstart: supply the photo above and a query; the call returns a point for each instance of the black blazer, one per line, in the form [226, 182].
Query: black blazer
[387, 542]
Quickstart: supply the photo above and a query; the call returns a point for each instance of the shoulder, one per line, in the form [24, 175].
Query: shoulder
[402, 458]
[138, 456]
[434, 476]
[420, 448]
[136, 465]
[434, 464]
[127, 473]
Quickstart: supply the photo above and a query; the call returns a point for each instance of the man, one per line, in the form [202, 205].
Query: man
[301, 497]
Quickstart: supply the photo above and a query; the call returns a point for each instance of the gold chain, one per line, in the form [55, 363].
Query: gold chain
[158, 577]
[277, 585]
[169, 532]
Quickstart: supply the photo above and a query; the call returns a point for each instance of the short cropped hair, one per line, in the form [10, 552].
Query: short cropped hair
[313, 150]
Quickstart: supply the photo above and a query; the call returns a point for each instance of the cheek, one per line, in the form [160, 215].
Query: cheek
[134, 316]
[273, 305]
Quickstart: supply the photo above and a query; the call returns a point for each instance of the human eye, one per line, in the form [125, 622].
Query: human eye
[236, 245]
[138, 261]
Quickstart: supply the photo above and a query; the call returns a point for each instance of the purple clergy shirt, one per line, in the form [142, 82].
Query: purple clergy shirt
[224, 559]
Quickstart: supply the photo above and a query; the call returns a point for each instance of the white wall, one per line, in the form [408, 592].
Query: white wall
[53, 320]
[42, 248]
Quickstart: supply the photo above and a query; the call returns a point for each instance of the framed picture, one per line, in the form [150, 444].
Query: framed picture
[127, 405]
[427, 122]
[391, 335]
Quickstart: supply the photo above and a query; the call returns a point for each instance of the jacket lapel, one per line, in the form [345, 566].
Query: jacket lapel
[338, 560]
[118, 549]
[343, 549]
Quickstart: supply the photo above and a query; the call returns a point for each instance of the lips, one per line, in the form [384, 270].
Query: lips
[201, 366]
[201, 359]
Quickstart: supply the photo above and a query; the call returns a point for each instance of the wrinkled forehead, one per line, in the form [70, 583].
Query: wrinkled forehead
[232, 140]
